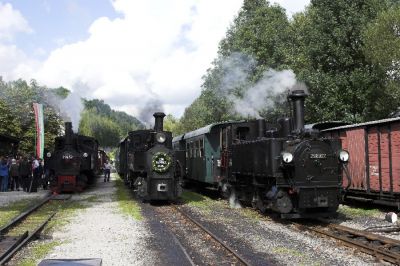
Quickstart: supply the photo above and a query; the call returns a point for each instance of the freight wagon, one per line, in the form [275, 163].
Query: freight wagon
[374, 166]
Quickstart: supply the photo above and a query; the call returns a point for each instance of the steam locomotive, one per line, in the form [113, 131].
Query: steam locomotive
[279, 166]
[146, 162]
[73, 163]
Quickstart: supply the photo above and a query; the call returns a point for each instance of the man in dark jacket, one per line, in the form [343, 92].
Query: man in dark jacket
[25, 172]
[14, 173]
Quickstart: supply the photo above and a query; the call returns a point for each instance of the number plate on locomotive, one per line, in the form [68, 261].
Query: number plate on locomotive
[317, 156]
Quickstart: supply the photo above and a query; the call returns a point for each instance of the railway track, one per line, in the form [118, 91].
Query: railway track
[383, 248]
[239, 259]
[26, 226]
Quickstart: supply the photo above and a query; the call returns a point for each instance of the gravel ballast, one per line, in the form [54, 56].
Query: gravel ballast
[102, 231]
[280, 242]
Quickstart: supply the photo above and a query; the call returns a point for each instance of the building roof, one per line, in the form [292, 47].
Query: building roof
[325, 125]
[370, 123]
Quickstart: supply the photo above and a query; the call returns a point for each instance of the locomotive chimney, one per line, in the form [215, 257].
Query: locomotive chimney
[68, 133]
[261, 128]
[298, 97]
[159, 121]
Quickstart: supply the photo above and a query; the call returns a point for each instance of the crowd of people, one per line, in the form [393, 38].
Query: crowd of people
[21, 173]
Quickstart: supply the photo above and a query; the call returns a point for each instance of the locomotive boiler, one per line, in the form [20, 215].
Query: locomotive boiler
[279, 166]
[147, 164]
[73, 163]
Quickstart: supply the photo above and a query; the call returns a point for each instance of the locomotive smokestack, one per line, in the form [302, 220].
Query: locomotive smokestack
[159, 121]
[68, 133]
[261, 128]
[298, 97]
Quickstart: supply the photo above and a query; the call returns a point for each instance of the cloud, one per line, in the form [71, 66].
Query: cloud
[155, 50]
[14, 62]
[11, 22]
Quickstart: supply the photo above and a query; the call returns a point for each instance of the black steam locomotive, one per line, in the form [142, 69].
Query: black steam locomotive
[279, 166]
[146, 162]
[73, 163]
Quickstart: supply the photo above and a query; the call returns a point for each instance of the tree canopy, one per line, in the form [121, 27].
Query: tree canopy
[345, 52]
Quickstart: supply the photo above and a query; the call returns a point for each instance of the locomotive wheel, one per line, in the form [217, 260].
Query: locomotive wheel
[283, 203]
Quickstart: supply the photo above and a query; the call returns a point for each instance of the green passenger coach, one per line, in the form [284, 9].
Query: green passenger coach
[203, 153]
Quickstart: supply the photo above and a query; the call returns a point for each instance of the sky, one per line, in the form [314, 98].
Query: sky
[129, 53]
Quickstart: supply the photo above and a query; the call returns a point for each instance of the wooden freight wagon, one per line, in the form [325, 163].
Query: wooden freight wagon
[374, 164]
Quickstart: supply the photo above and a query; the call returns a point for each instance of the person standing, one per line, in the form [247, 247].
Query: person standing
[14, 174]
[36, 175]
[4, 175]
[107, 171]
[25, 173]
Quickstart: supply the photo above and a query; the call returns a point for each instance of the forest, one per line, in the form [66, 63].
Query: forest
[97, 119]
[346, 55]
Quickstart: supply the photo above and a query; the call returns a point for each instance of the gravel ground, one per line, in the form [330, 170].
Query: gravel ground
[281, 243]
[101, 231]
[11, 196]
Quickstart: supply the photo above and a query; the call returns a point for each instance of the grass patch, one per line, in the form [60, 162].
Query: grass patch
[66, 211]
[64, 215]
[196, 200]
[287, 251]
[93, 198]
[126, 203]
[38, 252]
[304, 259]
[15, 208]
[358, 212]
[253, 214]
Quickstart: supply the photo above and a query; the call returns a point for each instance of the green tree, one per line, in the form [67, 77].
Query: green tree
[106, 131]
[328, 54]
[171, 124]
[257, 39]
[9, 123]
[19, 96]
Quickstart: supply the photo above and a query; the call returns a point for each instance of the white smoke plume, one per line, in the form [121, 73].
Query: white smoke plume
[147, 111]
[233, 201]
[249, 98]
[71, 108]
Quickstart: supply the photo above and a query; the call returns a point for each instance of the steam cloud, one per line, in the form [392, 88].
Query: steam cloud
[146, 113]
[69, 109]
[234, 201]
[249, 98]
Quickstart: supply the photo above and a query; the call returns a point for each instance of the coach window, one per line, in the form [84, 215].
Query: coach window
[196, 147]
[187, 150]
[191, 150]
[201, 141]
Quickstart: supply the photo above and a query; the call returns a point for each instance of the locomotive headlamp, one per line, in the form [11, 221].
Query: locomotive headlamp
[287, 157]
[85, 154]
[160, 137]
[344, 156]
[48, 154]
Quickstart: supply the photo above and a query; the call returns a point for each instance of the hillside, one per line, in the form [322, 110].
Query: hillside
[105, 124]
